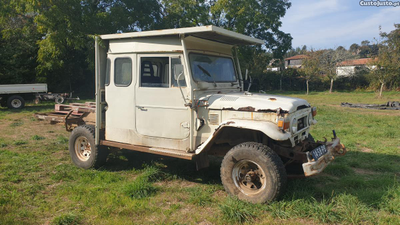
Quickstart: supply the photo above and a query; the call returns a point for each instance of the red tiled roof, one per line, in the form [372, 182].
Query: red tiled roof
[297, 57]
[355, 62]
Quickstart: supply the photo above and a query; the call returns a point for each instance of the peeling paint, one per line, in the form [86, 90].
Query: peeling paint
[247, 109]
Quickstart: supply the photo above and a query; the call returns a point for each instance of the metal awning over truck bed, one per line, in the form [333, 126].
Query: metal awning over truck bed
[211, 33]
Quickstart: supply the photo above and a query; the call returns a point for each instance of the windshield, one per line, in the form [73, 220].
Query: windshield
[212, 68]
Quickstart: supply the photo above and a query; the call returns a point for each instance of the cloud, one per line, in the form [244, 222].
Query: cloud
[342, 24]
[310, 9]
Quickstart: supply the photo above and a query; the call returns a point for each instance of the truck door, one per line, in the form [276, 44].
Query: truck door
[160, 107]
[120, 90]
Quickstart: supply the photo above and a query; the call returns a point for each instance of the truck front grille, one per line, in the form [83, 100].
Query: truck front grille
[301, 123]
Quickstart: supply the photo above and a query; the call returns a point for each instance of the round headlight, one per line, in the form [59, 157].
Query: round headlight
[293, 125]
[310, 119]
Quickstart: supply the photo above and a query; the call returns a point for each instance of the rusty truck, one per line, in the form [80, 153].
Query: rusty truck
[180, 93]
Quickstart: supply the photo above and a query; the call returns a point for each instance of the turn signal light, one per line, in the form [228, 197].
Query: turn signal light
[314, 111]
[282, 124]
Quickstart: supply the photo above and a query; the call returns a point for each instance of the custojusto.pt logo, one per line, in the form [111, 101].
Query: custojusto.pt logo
[380, 3]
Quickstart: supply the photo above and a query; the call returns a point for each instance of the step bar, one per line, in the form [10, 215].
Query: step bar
[158, 151]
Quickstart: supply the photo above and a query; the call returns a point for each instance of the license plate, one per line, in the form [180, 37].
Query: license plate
[318, 152]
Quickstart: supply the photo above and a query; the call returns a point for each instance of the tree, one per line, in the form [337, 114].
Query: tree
[341, 48]
[329, 60]
[66, 54]
[184, 13]
[310, 67]
[257, 18]
[18, 48]
[303, 49]
[52, 41]
[388, 60]
[354, 49]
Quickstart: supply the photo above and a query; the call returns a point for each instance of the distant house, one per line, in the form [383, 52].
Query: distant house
[295, 61]
[274, 65]
[350, 67]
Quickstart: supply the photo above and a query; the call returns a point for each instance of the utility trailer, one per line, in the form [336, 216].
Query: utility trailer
[179, 93]
[14, 96]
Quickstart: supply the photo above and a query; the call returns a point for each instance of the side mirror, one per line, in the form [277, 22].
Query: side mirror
[178, 72]
[247, 75]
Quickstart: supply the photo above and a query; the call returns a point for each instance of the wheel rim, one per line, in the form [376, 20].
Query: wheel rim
[83, 148]
[16, 103]
[249, 177]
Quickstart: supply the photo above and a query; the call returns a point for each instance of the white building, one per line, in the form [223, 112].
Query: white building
[349, 67]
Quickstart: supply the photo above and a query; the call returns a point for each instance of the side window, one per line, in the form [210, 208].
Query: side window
[174, 82]
[123, 71]
[108, 69]
[154, 72]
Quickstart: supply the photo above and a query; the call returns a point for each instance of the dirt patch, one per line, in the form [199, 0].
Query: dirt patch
[175, 183]
[220, 194]
[364, 171]
[367, 150]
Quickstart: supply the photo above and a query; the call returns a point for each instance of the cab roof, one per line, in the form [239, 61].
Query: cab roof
[211, 33]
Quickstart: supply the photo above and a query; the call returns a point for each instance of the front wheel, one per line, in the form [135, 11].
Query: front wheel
[15, 102]
[253, 172]
[83, 150]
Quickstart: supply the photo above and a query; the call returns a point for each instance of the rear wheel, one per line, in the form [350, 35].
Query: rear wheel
[253, 172]
[15, 102]
[83, 150]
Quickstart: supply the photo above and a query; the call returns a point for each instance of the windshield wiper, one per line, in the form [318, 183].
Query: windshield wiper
[207, 73]
[204, 71]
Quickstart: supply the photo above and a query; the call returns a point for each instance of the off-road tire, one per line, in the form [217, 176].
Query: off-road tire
[98, 154]
[263, 157]
[15, 102]
[310, 138]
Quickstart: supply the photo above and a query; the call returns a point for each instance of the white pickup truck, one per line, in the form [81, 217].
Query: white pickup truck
[13, 96]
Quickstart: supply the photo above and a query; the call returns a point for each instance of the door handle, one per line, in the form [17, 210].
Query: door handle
[141, 108]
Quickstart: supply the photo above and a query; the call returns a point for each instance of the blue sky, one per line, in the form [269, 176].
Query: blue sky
[330, 23]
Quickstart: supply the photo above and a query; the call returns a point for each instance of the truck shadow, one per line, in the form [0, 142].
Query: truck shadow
[171, 167]
[351, 174]
[365, 175]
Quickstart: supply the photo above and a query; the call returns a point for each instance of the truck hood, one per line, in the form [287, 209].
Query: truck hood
[255, 102]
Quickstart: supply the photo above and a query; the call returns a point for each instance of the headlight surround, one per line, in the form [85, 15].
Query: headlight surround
[310, 119]
[293, 125]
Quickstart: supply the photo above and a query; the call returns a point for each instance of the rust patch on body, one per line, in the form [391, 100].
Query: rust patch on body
[247, 109]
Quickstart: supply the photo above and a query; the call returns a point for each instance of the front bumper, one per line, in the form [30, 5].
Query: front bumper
[335, 148]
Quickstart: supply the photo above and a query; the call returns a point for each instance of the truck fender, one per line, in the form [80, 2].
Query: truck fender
[268, 128]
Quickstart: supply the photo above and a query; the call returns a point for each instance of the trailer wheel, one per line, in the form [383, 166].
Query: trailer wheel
[253, 172]
[83, 150]
[15, 102]
[59, 100]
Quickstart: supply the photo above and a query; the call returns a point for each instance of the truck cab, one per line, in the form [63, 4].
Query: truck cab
[180, 93]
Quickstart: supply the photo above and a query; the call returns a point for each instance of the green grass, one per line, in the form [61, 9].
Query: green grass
[40, 185]
[67, 219]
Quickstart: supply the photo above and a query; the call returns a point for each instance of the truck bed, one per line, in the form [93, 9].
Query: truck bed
[22, 88]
